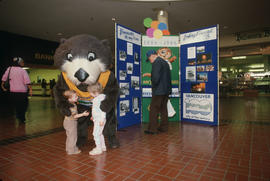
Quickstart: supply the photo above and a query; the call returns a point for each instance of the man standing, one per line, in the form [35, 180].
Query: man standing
[161, 89]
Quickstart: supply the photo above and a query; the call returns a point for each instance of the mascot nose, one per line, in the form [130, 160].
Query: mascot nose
[81, 75]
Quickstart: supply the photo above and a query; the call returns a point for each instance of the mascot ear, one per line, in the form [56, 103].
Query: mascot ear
[106, 42]
[62, 40]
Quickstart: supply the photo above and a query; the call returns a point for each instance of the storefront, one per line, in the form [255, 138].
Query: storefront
[248, 72]
[42, 80]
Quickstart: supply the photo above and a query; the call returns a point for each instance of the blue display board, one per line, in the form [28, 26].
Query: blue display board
[128, 62]
[199, 75]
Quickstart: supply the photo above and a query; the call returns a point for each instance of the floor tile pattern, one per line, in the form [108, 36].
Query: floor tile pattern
[238, 149]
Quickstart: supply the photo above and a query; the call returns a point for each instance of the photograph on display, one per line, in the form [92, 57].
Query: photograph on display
[202, 77]
[122, 55]
[135, 82]
[191, 73]
[124, 107]
[136, 58]
[209, 68]
[129, 48]
[191, 52]
[201, 68]
[130, 68]
[201, 49]
[197, 88]
[205, 58]
[135, 105]
[124, 89]
[191, 62]
[122, 75]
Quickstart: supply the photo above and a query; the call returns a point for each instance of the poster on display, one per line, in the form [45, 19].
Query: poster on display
[199, 78]
[168, 48]
[127, 56]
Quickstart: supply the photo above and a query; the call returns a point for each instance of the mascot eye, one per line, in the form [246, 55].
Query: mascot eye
[69, 57]
[91, 56]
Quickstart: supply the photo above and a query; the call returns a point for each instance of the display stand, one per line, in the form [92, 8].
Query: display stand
[128, 62]
[199, 77]
[168, 45]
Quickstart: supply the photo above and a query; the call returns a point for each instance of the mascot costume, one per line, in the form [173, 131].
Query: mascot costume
[84, 60]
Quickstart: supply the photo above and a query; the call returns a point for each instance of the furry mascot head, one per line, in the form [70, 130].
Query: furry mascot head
[83, 58]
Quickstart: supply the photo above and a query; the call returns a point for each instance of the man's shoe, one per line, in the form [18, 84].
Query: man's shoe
[162, 130]
[149, 132]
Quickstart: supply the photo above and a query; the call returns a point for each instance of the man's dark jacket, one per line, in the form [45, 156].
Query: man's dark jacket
[161, 77]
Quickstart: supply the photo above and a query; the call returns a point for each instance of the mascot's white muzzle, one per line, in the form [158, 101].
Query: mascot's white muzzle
[81, 70]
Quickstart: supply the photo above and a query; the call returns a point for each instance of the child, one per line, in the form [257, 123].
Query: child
[98, 117]
[70, 123]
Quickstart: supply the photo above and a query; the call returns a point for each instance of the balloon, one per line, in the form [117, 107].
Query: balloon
[158, 34]
[166, 32]
[147, 22]
[162, 26]
[154, 24]
[149, 32]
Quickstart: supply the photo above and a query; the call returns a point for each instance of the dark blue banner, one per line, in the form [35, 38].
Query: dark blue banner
[128, 62]
[199, 75]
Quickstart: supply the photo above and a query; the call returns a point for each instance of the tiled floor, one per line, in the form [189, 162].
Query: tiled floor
[239, 149]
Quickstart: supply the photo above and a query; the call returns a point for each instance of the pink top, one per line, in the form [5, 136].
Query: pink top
[18, 79]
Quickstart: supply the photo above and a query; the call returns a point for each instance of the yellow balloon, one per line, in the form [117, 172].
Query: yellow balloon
[158, 34]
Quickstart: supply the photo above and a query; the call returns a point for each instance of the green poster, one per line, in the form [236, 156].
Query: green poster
[166, 47]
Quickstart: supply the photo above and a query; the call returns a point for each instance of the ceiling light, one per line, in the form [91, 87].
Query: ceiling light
[256, 66]
[239, 57]
[224, 69]
[256, 70]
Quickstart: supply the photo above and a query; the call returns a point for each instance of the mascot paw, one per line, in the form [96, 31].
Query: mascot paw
[66, 112]
[104, 107]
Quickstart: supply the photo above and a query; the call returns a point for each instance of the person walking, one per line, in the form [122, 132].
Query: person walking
[161, 89]
[20, 85]
[52, 84]
[44, 87]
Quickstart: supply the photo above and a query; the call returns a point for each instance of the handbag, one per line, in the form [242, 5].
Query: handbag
[6, 83]
[171, 111]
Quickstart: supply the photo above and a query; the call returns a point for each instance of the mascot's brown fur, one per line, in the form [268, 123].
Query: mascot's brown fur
[84, 60]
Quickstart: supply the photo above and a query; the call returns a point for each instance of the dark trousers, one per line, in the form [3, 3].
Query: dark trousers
[158, 105]
[20, 103]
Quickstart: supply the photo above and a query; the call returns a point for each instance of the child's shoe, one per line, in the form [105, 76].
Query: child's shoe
[74, 153]
[95, 151]
[77, 152]
[104, 149]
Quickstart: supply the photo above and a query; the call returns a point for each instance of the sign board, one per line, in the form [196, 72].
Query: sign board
[168, 45]
[128, 62]
[199, 75]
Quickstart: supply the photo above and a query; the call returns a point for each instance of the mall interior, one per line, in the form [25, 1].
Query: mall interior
[237, 149]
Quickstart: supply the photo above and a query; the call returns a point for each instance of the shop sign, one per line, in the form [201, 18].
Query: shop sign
[252, 35]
